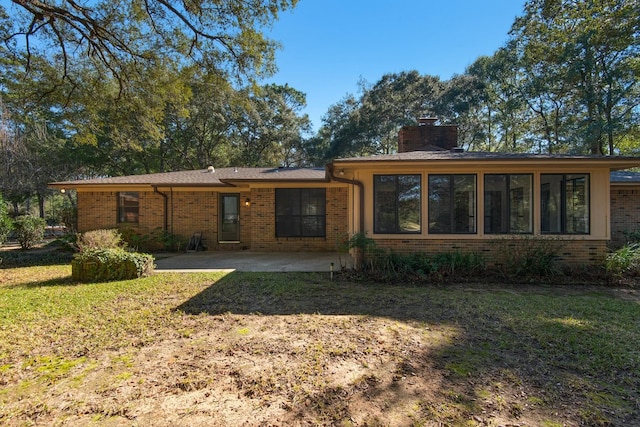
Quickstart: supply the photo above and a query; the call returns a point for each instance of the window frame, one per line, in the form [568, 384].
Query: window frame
[281, 196]
[396, 208]
[123, 210]
[452, 209]
[564, 206]
[509, 203]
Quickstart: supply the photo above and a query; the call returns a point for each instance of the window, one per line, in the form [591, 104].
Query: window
[507, 204]
[300, 212]
[564, 201]
[128, 206]
[452, 204]
[396, 204]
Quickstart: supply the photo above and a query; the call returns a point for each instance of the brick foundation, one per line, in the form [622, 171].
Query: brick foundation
[570, 252]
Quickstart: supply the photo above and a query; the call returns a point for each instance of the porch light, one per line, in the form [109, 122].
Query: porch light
[247, 202]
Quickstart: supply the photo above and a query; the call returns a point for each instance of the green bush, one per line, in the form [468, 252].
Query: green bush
[625, 261]
[99, 239]
[6, 225]
[530, 257]
[157, 240]
[445, 265]
[29, 230]
[102, 265]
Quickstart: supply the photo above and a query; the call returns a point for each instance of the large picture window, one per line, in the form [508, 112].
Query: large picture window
[300, 212]
[128, 206]
[564, 201]
[507, 204]
[396, 204]
[452, 204]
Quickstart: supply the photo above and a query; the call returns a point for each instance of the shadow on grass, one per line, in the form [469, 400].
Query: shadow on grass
[505, 337]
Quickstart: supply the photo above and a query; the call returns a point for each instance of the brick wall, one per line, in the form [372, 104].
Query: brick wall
[98, 210]
[263, 236]
[571, 252]
[625, 212]
[191, 212]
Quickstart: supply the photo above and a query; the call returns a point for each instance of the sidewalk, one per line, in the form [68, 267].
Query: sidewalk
[254, 261]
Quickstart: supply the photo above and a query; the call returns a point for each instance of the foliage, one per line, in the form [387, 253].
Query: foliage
[110, 264]
[365, 249]
[111, 36]
[55, 253]
[156, 240]
[29, 230]
[6, 225]
[423, 266]
[624, 261]
[632, 236]
[99, 239]
[529, 257]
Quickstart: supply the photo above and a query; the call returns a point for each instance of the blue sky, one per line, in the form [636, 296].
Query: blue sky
[329, 45]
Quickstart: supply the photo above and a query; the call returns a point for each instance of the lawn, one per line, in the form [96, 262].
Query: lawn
[210, 349]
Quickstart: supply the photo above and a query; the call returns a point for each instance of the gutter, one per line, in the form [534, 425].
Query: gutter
[330, 172]
[166, 206]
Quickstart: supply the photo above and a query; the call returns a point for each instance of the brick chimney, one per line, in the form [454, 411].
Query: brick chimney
[426, 136]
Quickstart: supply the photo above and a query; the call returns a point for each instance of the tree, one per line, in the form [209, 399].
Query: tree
[225, 34]
[582, 58]
[269, 130]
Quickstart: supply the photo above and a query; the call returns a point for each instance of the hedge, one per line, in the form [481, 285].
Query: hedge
[102, 265]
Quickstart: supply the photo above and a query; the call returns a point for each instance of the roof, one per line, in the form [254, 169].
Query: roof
[227, 177]
[222, 177]
[478, 155]
[625, 177]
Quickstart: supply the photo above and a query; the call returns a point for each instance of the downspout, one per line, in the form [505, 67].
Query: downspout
[330, 170]
[166, 204]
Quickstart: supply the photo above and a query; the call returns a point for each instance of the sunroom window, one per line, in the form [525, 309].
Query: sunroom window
[507, 203]
[452, 204]
[397, 204]
[564, 200]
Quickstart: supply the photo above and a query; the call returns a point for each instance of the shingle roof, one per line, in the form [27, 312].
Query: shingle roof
[625, 177]
[474, 155]
[218, 177]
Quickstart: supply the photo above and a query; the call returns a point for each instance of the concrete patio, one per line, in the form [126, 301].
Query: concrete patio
[254, 261]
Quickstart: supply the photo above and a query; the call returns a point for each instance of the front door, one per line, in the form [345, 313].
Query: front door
[229, 217]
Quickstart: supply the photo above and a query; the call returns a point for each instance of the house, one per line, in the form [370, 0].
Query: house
[625, 205]
[430, 196]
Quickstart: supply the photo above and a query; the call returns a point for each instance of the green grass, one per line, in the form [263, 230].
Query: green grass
[569, 355]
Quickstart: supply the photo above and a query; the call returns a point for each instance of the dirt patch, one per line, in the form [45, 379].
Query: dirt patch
[299, 350]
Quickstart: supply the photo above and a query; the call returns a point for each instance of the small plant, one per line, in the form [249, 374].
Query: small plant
[625, 261]
[366, 251]
[530, 257]
[29, 230]
[99, 239]
[6, 225]
[632, 236]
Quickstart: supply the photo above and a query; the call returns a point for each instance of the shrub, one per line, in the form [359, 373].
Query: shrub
[6, 225]
[99, 239]
[101, 265]
[625, 261]
[445, 265]
[29, 230]
[632, 236]
[530, 257]
[158, 239]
